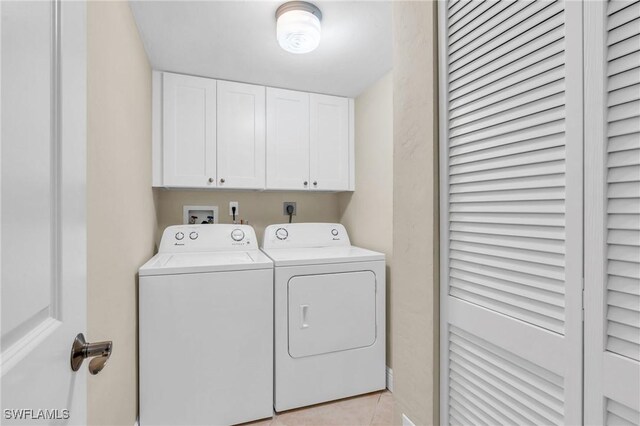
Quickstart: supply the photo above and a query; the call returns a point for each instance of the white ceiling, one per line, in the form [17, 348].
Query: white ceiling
[236, 40]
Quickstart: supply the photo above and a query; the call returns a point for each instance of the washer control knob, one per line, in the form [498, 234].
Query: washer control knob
[334, 232]
[237, 234]
[193, 235]
[179, 236]
[282, 233]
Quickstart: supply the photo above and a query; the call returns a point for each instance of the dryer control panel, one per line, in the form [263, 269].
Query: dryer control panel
[305, 235]
[207, 238]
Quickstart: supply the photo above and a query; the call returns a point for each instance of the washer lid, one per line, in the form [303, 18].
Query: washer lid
[190, 263]
[321, 255]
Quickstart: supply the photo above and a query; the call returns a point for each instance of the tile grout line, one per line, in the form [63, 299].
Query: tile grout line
[375, 409]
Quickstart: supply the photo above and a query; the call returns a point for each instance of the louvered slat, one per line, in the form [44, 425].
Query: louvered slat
[623, 177]
[471, 15]
[507, 161]
[519, 70]
[525, 280]
[509, 28]
[620, 415]
[623, 32]
[547, 72]
[498, 12]
[492, 386]
[507, 102]
[630, 13]
[614, 6]
[623, 48]
[493, 62]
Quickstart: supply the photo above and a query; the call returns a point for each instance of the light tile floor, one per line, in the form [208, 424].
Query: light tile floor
[374, 409]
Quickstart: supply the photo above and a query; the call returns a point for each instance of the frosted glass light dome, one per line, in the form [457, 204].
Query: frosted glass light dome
[298, 26]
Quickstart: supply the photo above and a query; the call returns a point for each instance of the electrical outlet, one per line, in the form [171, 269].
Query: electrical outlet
[233, 204]
[285, 205]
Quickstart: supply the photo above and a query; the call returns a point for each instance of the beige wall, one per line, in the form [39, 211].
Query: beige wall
[415, 213]
[367, 213]
[121, 214]
[259, 208]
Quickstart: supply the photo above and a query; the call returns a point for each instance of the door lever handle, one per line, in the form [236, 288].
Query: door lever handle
[99, 351]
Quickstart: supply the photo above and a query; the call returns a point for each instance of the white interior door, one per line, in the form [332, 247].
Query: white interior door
[612, 237]
[329, 142]
[189, 131]
[287, 139]
[43, 124]
[511, 209]
[241, 135]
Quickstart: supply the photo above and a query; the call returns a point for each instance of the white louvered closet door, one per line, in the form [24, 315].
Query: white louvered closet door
[612, 202]
[511, 210]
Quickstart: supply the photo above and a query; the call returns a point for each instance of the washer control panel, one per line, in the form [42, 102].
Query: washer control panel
[282, 233]
[237, 234]
[294, 235]
[209, 237]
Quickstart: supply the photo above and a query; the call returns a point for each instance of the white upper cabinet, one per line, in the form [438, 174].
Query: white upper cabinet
[188, 132]
[222, 134]
[287, 139]
[329, 158]
[241, 135]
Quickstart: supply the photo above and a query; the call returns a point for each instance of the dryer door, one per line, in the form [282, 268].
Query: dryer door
[331, 312]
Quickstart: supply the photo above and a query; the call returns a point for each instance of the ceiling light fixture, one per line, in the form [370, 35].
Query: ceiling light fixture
[298, 26]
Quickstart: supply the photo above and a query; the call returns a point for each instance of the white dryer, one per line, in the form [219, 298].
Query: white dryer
[329, 314]
[206, 328]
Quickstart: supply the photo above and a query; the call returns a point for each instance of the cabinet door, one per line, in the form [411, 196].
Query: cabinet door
[287, 139]
[329, 143]
[241, 135]
[189, 131]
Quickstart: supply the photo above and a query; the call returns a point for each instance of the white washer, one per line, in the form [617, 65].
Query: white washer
[206, 328]
[329, 314]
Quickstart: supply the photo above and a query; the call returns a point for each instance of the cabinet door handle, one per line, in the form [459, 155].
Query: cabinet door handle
[222, 180]
[210, 180]
[306, 183]
[315, 183]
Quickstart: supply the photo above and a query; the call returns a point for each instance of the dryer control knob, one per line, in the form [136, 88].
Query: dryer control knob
[237, 234]
[282, 233]
[193, 235]
[334, 232]
[179, 236]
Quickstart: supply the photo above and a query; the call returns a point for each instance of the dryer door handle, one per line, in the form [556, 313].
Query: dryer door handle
[304, 309]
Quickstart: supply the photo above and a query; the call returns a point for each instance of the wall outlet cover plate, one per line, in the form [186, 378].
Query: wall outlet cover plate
[237, 206]
[289, 203]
